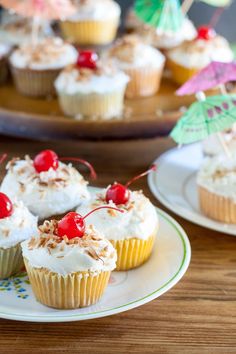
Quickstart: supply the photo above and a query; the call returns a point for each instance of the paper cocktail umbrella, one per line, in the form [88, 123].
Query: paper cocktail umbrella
[214, 74]
[217, 3]
[44, 9]
[207, 116]
[164, 15]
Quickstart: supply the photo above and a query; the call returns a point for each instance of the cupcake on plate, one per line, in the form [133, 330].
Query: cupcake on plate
[16, 225]
[35, 68]
[132, 233]
[92, 89]
[211, 146]
[95, 23]
[16, 30]
[216, 181]
[142, 63]
[167, 40]
[69, 264]
[47, 186]
[192, 56]
[4, 53]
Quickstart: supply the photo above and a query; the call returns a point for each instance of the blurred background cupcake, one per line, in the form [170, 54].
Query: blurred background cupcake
[91, 89]
[141, 62]
[192, 56]
[95, 23]
[35, 67]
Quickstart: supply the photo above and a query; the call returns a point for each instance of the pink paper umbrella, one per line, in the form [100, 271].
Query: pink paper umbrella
[214, 74]
[43, 9]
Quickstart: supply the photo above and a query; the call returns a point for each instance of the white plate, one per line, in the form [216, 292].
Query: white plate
[174, 185]
[126, 290]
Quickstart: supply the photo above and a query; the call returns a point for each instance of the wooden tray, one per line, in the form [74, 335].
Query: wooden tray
[42, 119]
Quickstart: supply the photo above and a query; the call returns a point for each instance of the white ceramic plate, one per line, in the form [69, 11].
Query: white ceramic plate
[126, 290]
[174, 185]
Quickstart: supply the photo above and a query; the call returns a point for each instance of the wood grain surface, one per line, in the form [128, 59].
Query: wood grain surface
[197, 316]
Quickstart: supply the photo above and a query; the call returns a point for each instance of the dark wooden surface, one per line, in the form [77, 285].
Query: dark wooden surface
[197, 316]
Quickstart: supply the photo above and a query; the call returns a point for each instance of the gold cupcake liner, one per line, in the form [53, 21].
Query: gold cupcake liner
[180, 74]
[72, 291]
[131, 253]
[3, 71]
[35, 83]
[11, 261]
[217, 207]
[89, 32]
[143, 82]
[92, 106]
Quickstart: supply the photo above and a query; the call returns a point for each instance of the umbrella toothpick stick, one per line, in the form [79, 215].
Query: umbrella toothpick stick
[223, 144]
[186, 6]
[35, 30]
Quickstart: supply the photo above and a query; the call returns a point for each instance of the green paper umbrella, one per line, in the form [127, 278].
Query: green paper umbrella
[210, 115]
[217, 3]
[165, 15]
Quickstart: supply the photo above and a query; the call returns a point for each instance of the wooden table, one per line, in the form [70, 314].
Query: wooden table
[197, 316]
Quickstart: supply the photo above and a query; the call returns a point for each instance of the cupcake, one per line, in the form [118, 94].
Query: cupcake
[16, 30]
[142, 63]
[47, 186]
[212, 147]
[132, 233]
[95, 22]
[35, 68]
[167, 40]
[216, 181]
[91, 89]
[4, 53]
[16, 225]
[192, 56]
[69, 264]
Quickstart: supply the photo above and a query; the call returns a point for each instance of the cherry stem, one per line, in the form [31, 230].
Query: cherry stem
[3, 158]
[216, 16]
[84, 162]
[102, 207]
[152, 168]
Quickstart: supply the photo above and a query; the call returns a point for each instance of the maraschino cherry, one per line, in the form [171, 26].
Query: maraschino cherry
[205, 33]
[73, 224]
[6, 207]
[47, 159]
[87, 59]
[119, 193]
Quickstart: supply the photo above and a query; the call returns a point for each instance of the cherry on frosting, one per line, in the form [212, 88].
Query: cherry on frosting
[73, 224]
[205, 33]
[119, 193]
[87, 59]
[47, 159]
[6, 207]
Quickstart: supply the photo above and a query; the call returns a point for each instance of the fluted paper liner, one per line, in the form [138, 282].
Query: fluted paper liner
[92, 106]
[35, 83]
[131, 253]
[11, 261]
[89, 32]
[143, 81]
[217, 207]
[72, 291]
[180, 74]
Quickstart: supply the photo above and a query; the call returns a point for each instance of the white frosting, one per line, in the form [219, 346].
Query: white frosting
[68, 82]
[47, 193]
[212, 147]
[99, 10]
[199, 53]
[139, 220]
[18, 227]
[218, 175]
[68, 258]
[4, 50]
[143, 55]
[51, 53]
[16, 30]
